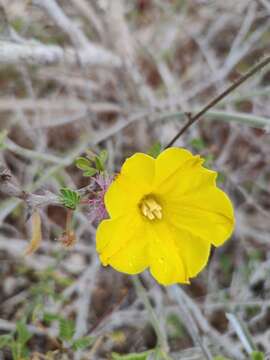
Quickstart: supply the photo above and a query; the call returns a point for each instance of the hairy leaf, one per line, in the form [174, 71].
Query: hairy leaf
[69, 198]
[22, 332]
[66, 329]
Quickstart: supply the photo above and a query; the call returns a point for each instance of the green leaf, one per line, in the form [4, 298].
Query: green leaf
[19, 351]
[90, 155]
[82, 343]
[66, 329]
[155, 150]
[5, 340]
[90, 172]
[69, 198]
[48, 318]
[103, 157]
[134, 356]
[220, 358]
[257, 355]
[85, 164]
[82, 163]
[16, 349]
[99, 164]
[23, 333]
[100, 160]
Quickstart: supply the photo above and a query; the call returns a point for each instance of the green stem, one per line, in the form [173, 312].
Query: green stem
[162, 341]
[259, 122]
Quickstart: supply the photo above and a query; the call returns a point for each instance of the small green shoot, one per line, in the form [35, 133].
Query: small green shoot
[66, 329]
[257, 355]
[92, 163]
[66, 332]
[69, 198]
[17, 341]
[85, 165]
[82, 343]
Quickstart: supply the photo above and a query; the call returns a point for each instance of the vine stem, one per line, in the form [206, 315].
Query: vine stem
[193, 118]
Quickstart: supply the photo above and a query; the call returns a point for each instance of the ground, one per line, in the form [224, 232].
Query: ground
[123, 76]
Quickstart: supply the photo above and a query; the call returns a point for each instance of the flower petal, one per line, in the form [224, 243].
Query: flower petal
[169, 162]
[134, 181]
[191, 199]
[207, 213]
[133, 258]
[185, 178]
[193, 249]
[176, 254]
[122, 244]
[195, 213]
[166, 264]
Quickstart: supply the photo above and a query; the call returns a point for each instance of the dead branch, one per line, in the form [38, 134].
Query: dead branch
[34, 53]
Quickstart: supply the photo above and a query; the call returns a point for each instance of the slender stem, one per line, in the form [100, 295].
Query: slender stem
[188, 320]
[217, 99]
[162, 341]
[68, 238]
[69, 221]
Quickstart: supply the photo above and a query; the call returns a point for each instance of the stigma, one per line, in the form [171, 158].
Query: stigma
[150, 208]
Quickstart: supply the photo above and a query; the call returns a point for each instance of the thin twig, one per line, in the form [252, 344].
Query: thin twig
[217, 99]
[188, 319]
[35, 53]
[77, 37]
[154, 320]
[226, 344]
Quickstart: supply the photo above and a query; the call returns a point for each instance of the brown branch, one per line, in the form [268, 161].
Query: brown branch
[217, 99]
[9, 187]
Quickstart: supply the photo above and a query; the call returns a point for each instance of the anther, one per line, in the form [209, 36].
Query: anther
[151, 208]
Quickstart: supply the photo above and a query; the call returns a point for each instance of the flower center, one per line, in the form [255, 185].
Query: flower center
[151, 208]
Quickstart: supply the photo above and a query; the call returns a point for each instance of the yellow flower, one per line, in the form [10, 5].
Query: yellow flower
[164, 214]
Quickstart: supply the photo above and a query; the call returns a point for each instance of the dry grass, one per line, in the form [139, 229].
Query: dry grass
[119, 75]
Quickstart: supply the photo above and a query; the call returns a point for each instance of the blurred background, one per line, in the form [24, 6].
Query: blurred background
[120, 75]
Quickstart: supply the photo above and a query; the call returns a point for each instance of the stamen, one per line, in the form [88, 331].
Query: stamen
[151, 208]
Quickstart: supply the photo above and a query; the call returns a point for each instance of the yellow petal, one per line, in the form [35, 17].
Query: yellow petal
[193, 250]
[176, 245]
[134, 181]
[190, 175]
[112, 234]
[190, 198]
[166, 263]
[176, 254]
[122, 243]
[170, 162]
[133, 257]
[207, 213]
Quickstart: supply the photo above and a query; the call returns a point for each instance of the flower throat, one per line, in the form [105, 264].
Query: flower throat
[150, 208]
